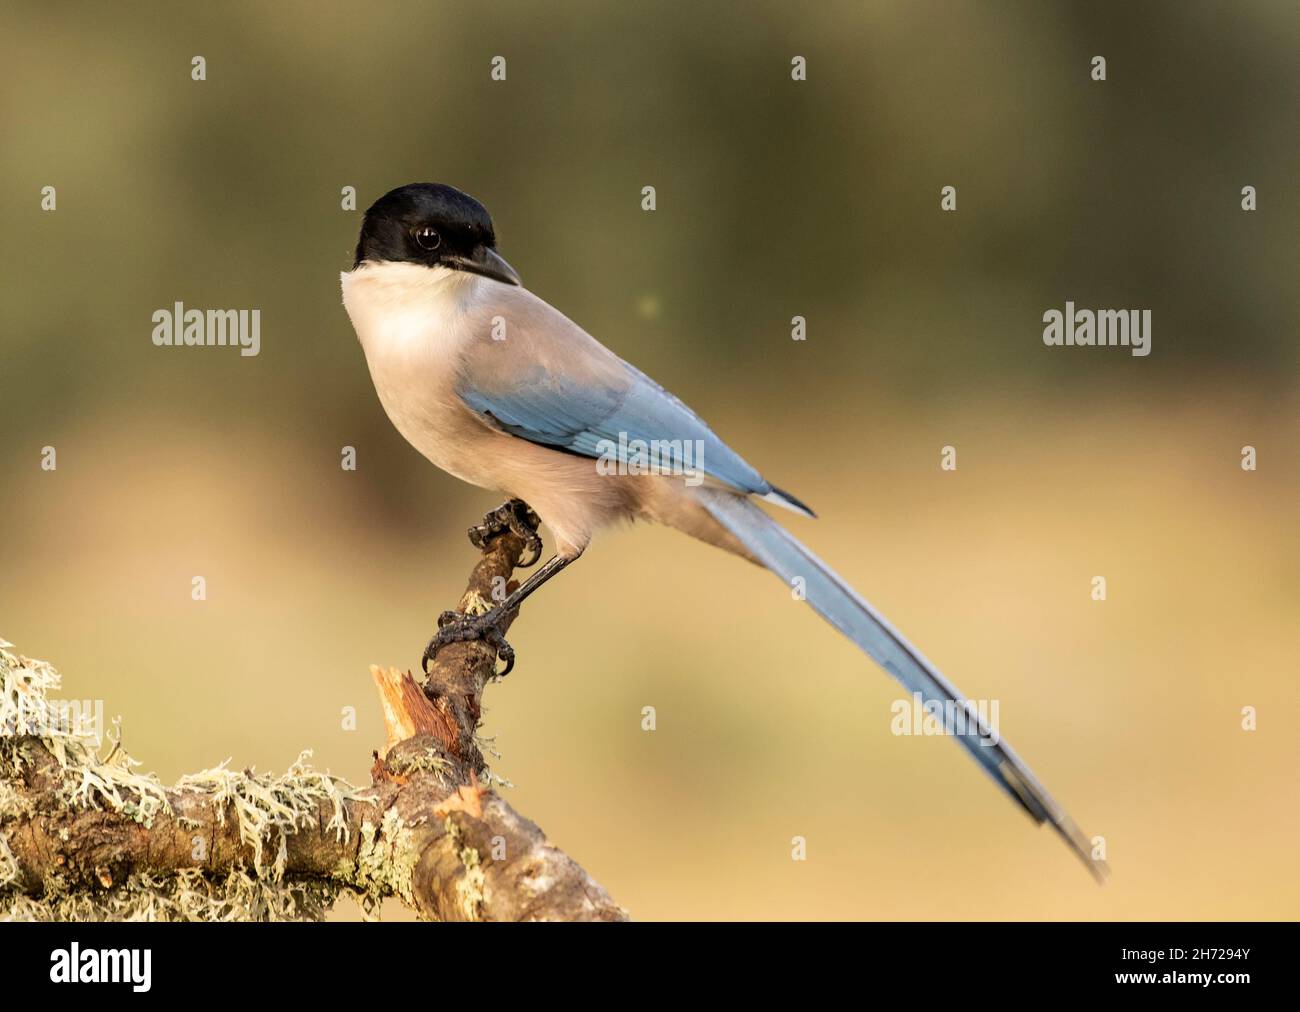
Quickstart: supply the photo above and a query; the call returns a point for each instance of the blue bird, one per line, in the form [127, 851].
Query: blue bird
[496, 387]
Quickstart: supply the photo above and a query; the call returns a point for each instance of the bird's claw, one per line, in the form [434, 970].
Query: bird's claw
[454, 627]
[515, 516]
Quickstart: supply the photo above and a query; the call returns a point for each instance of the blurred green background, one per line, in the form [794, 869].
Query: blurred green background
[775, 199]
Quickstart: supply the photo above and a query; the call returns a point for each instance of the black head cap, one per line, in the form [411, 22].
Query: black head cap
[435, 225]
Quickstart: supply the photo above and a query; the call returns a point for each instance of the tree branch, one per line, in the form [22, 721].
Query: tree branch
[86, 837]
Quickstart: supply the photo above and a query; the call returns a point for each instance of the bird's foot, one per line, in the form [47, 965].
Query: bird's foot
[453, 627]
[515, 516]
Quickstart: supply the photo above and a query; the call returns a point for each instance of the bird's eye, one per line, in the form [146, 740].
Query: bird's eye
[427, 238]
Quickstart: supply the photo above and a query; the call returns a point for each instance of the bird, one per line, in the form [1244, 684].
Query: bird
[501, 390]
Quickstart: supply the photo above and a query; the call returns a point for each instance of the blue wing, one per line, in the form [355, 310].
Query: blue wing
[614, 422]
[551, 383]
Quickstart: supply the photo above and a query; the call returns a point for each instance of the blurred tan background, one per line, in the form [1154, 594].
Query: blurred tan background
[818, 199]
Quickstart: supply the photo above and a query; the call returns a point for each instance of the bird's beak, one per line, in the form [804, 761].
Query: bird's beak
[486, 261]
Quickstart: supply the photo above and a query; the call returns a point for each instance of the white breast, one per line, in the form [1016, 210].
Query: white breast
[412, 324]
[407, 309]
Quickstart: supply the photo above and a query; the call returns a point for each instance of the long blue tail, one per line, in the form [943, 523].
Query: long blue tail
[843, 608]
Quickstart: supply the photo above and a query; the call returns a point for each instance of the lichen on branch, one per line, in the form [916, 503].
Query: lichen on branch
[84, 835]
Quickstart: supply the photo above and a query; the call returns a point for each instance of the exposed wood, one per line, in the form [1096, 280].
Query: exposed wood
[425, 830]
